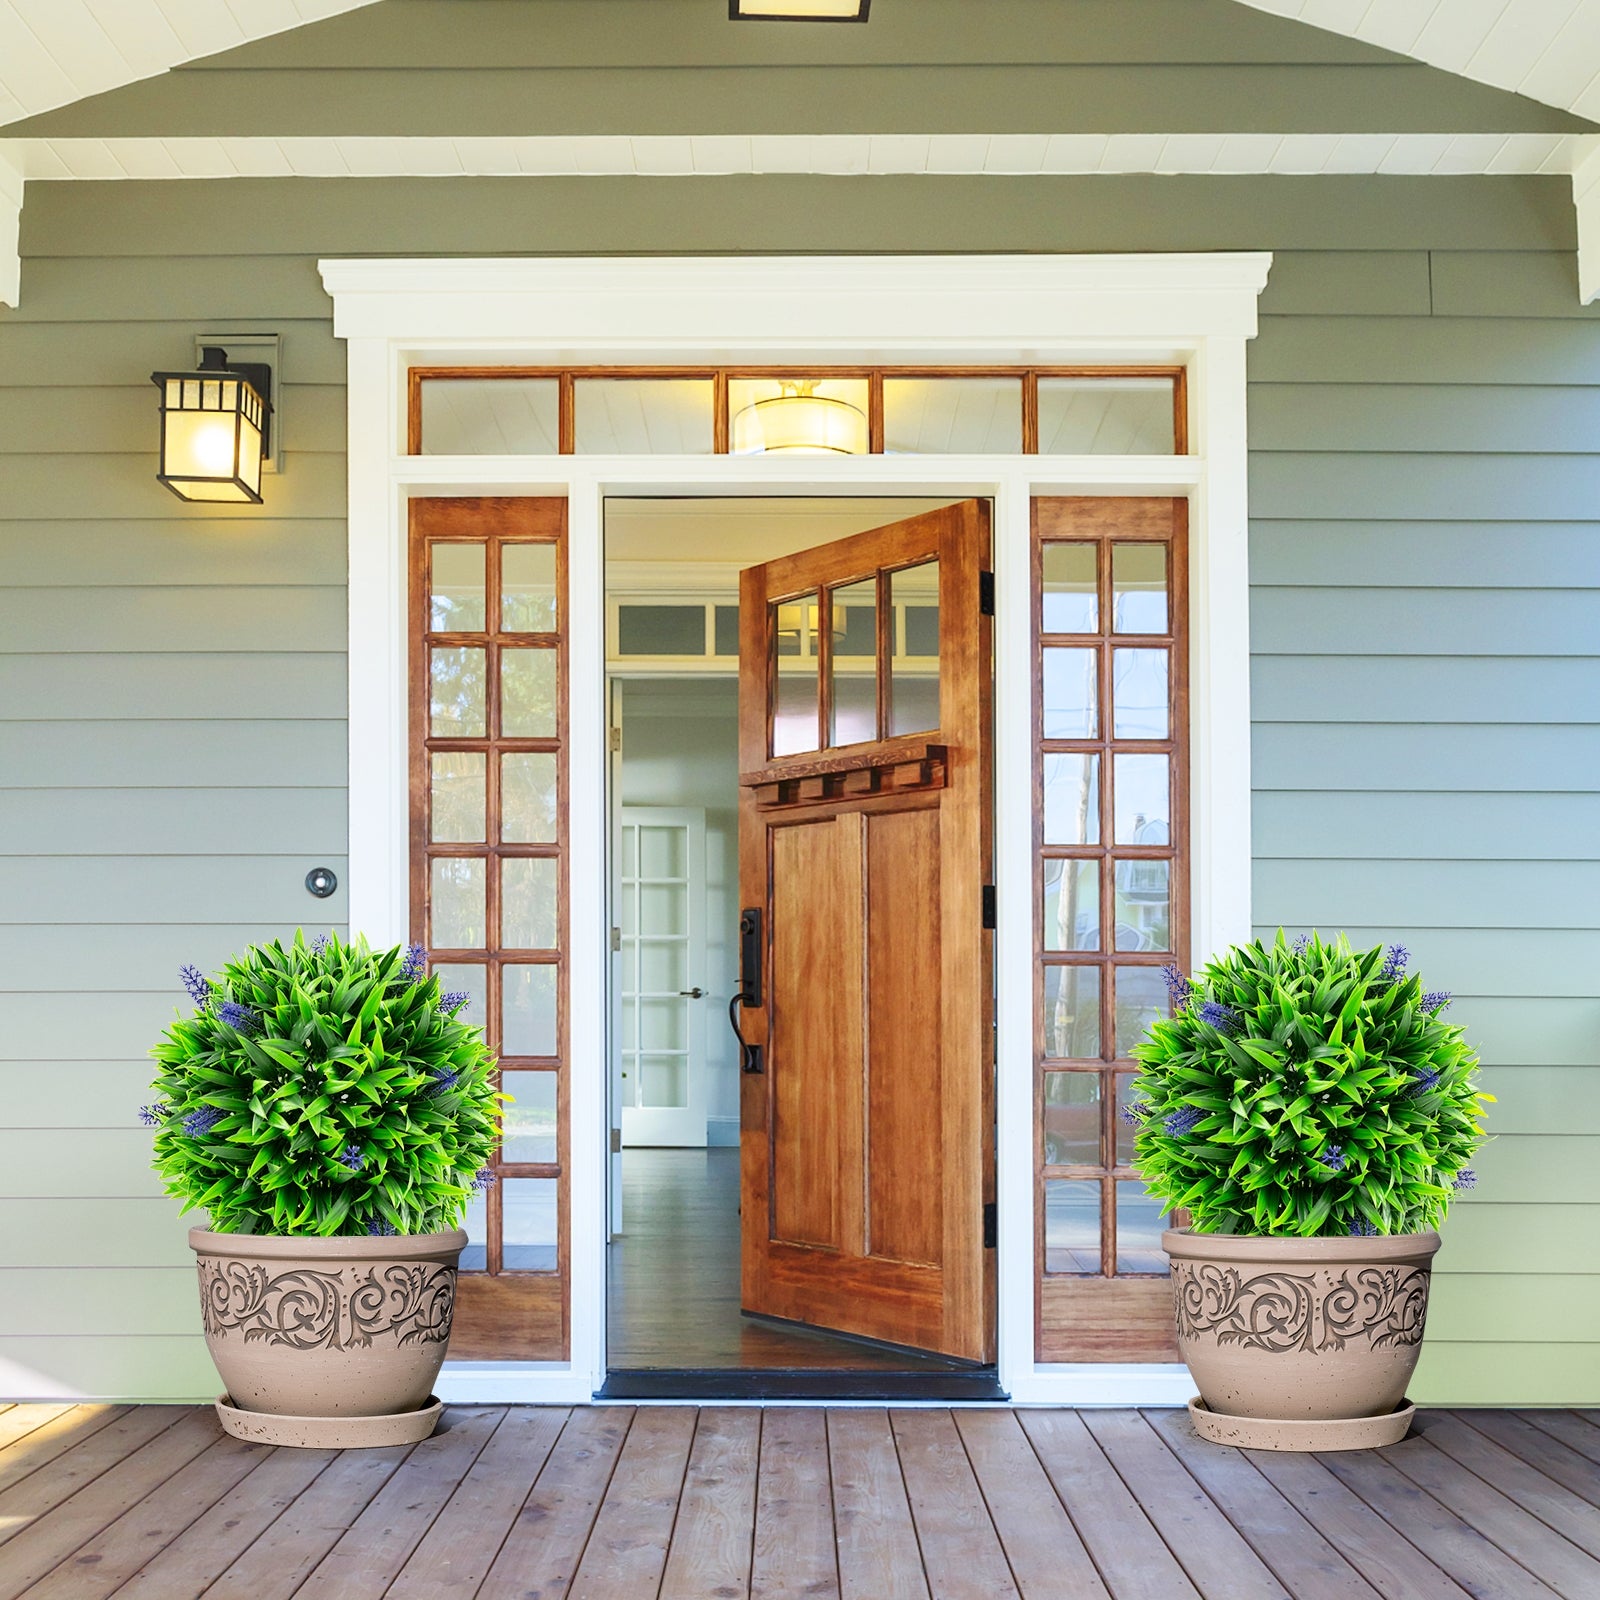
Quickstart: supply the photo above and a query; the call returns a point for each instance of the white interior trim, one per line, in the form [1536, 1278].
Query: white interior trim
[11, 185]
[1586, 200]
[1005, 310]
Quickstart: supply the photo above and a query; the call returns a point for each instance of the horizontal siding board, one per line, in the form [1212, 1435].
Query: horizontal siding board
[68, 1301]
[1554, 1170]
[1481, 1373]
[194, 620]
[271, 683]
[1502, 1241]
[1469, 826]
[52, 958]
[1448, 756]
[80, 355]
[87, 1233]
[1510, 1307]
[1365, 283]
[221, 755]
[1375, 621]
[108, 1366]
[70, 889]
[1299, 552]
[87, 1094]
[86, 291]
[94, 1164]
[169, 822]
[1501, 283]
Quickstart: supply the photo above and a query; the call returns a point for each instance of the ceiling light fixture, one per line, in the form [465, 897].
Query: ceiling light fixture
[798, 421]
[798, 10]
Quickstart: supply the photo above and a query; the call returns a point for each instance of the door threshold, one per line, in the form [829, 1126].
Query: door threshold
[797, 1383]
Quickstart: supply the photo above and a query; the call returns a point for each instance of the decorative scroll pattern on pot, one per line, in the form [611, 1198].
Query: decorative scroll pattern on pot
[1290, 1311]
[308, 1308]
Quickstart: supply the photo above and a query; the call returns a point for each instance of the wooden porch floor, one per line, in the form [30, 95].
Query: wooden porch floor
[610, 1503]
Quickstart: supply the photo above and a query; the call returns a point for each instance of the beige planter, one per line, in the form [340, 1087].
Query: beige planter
[1285, 1336]
[307, 1330]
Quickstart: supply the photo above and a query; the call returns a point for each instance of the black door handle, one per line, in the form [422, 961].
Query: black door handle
[749, 1054]
[749, 995]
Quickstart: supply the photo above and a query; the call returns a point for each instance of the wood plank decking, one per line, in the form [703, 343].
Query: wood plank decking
[675, 1503]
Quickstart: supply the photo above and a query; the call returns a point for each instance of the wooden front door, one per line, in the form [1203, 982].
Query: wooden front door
[867, 1108]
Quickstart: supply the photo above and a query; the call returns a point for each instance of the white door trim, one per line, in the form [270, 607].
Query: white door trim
[1197, 310]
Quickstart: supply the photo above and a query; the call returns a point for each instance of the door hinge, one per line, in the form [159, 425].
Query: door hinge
[616, 739]
[616, 940]
[985, 594]
[991, 1225]
[616, 1141]
[988, 906]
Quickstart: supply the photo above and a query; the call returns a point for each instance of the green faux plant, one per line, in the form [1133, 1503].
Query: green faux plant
[324, 1088]
[1306, 1089]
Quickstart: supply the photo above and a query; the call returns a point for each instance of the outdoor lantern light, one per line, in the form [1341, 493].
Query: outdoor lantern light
[214, 428]
[798, 10]
[798, 421]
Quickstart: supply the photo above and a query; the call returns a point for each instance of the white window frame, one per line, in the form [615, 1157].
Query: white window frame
[1197, 311]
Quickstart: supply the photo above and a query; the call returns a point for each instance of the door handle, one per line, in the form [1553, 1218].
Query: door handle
[696, 993]
[750, 1060]
[749, 995]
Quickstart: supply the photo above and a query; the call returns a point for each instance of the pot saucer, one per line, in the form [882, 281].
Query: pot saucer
[1293, 1433]
[329, 1433]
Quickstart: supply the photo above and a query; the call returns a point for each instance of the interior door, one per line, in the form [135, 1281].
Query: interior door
[867, 1112]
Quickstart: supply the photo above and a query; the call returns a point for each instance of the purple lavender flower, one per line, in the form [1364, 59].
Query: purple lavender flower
[1466, 1178]
[1362, 1229]
[1436, 999]
[352, 1157]
[1178, 986]
[153, 1115]
[1395, 963]
[381, 1228]
[1134, 1113]
[197, 1124]
[197, 983]
[1424, 1082]
[443, 1082]
[415, 963]
[1181, 1123]
[1216, 1015]
[1302, 944]
[238, 1017]
[483, 1179]
[1332, 1157]
[321, 943]
[452, 1001]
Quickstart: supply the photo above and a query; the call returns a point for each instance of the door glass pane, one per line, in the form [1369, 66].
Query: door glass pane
[528, 588]
[1139, 588]
[471, 979]
[1140, 1222]
[458, 694]
[952, 416]
[1072, 1119]
[476, 1221]
[1125, 1128]
[1070, 703]
[530, 1120]
[914, 680]
[528, 1011]
[458, 906]
[643, 416]
[664, 1024]
[663, 852]
[1072, 799]
[663, 1082]
[456, 807]
[1072, 1013]
[855, 663]
[528, 694]
[1071, 1226]
[528, 1224]
[794, 710]
[663, 908]
[528, 903]
[1071, 602]
[528, 798]
[491, 416]
[1106, 416]
[1141, 997]
[797, 416]
[456, 604]
[727, 630]
[1139, 694]
[663, 966]
[1142, 799]
[1071, 905]
[662, 631]
[1144, 905]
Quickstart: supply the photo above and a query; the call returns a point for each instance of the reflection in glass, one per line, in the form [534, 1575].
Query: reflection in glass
[1125, 1129]
[1139, 588]
[1071, 601]
[458, 695]
[794, 710]
[855, 663]
[470, 978]
[797, 415]
[1140, 1222]
[457, 603]
[456, 796]
[952, 416]
[528, 902]
[1139, 694]
[1071, 1225]
[1106, 416]
[1071, 905]
[657, 630]
[1140, 785]
[457, 906]
[528, 1224]
[528, 694]
[491, 416]
[1072, 1013]
[1072, 799]
[528, 797]
[643, 416]
[1072, 1119]
[1144, 905]
[528, 1011]
[1140, 994]
[1069, 704]
[530, 1120]
[914, 686]
[528, 588]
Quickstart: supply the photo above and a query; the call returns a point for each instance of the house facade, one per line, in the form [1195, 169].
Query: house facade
[1301, 632]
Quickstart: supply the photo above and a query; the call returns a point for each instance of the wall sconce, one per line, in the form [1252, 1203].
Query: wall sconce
[214, 428]
[798, 10]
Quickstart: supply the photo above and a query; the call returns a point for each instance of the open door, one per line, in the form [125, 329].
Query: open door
[866, 1007]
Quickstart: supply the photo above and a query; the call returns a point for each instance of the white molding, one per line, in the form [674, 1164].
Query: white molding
[1586, 201]
[1109, 1383]
[11, 190]
[1196, 309]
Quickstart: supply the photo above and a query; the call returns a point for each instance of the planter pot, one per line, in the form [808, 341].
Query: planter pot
[327, 1343]
[1300, 1344]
